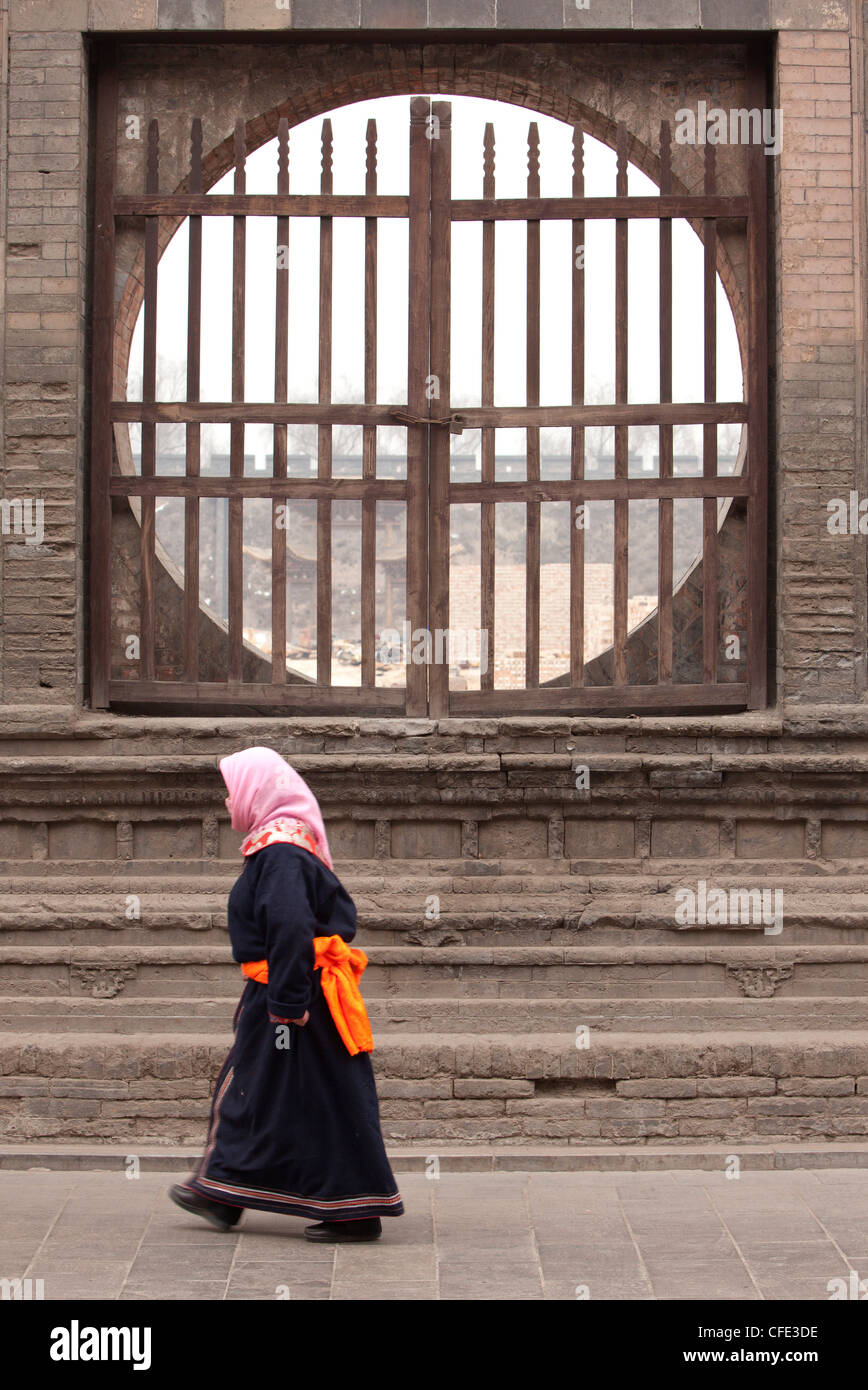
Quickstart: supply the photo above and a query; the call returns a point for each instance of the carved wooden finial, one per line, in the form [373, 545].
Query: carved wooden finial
[533, 155]
[578, 160]
[282, 154]
[371, 152]
[327, 155]
[488, 150]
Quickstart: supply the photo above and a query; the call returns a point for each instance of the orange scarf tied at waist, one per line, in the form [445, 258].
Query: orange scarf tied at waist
[341, 967]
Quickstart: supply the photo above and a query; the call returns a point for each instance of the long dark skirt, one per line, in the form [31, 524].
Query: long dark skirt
[296, 1130]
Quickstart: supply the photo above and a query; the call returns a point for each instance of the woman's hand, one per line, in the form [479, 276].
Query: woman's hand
[300, 1022]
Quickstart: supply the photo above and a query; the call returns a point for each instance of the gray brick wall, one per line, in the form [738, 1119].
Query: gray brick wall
[45, 308]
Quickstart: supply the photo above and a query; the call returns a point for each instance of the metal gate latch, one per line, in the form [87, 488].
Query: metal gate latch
[456, 423]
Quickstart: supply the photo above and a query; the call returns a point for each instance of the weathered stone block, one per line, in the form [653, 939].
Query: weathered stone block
[547, 14]
[492, 1088]
[16, 840]
[513, 839]
[735, 1086]
[34, 17]
[806, 14]
[394, 14]
[598, 14]
[816, 1086]
[461, 14]
[189, 14]
[757, 839]
[351, 839]
[845, 839]
[662, 1089]
[735, 14]
[591, 838]
[676, 839]
[82, 839]
[122, 14]
[665, 14]
[167, 840]
[419, 839]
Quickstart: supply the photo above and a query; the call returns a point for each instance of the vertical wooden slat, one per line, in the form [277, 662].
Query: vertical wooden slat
[532, 551]
[281, 383]
[665, 529]
[149, 395]
[757, 383]
[622, 438]
[419, 305]
[488, 518]
[577, 435]
[193, 429]
[709, 439]
[236, 429]
[369, 432]
[324, 433]
[439, 438]
[102, 379]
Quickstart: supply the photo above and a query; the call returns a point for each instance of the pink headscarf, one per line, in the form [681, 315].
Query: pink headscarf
[263, 787]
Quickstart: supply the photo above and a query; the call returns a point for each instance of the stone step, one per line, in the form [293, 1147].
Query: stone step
[443, 1015]
[754, 1086]
[477, 1158]
[600, 926]
[509, 756]
[401, 876]
[398, 878]
[394, 885]
[455, 972]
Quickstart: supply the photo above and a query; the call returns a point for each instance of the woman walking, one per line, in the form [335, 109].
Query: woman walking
[295, 1124]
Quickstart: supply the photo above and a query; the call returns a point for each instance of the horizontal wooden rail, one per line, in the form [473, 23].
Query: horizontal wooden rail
[261, 205]
[600, 489]
[396, 205]
[567, 209]
[468, 417]
[395, 489]
[574, 698]
[170, 485]
[257, 693]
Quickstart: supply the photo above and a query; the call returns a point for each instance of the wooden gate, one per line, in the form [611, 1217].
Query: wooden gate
[429, 491]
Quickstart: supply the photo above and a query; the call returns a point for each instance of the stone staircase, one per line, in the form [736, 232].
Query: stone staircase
[542, 997]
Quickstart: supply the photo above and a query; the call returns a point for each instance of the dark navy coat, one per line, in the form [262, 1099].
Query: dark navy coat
[295, 1123]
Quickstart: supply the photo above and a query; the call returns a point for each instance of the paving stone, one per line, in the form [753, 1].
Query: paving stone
[396, 1292]
[197, 1262]
[600, 1290]
[541, 1257]
[171, 1291]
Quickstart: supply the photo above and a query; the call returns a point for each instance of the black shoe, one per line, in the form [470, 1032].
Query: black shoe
[350, 1232]
[218, 1214]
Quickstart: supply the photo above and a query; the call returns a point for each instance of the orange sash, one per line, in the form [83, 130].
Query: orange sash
[341, 967]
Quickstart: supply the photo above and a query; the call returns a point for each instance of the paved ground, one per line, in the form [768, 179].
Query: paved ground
[668, 1235]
